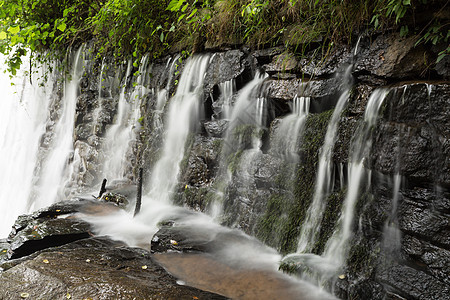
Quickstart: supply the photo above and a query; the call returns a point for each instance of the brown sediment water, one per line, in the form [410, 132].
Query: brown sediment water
[203, 271]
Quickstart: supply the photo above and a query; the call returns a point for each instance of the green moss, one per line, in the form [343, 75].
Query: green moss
[271, 225]
[329, 220]
[286, 211]
[362, 258]
[197, 197]
[233, 161]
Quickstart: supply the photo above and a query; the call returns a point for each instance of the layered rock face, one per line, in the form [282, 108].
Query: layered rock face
[249, 177]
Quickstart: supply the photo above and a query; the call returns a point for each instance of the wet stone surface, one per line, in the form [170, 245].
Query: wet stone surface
[96, 268]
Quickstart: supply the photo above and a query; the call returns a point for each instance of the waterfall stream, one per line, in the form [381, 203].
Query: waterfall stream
[42, 157]
[23, 121]
[54, 173]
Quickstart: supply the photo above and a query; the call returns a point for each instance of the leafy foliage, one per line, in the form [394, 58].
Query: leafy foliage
[134, 27]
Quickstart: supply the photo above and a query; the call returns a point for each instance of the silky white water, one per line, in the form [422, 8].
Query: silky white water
[336, 248]
[289, 132]
[247, 117]
[326, 266]
[183, 117]
[23, 117]
[54, 172]
[324, 181]
[227, 90]
[120, 133]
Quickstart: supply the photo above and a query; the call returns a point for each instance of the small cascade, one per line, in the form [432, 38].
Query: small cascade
[23, 117]
[162, 94]
[120, 135]
[247, 117]
[100, 99]
[54, 172]
[324, 181]
[246, 123]
[290, 130]
[391, 232]
[336, 249]
[227, 90]
[183, 118]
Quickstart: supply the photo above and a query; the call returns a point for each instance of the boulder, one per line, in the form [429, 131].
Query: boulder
[95, 268]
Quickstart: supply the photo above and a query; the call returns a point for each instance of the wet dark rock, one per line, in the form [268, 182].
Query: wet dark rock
[179, 239]
[49, 227]
[312, 66]
[284, 90]
[405, 282]
[202, 162]
[265, 56]
[96, 268]
[216, 128]
[416, 122]
[434, 260]
[391, 56]
[225, 66]
[283, 63]
[418, 217]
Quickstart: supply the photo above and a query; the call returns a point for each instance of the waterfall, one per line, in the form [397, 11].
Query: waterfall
[324, 181]
[183, 117]
[290, 130]
[391, 232]
[54, 173]
[336, 248]
[245, 124]
[227, 90]
[121, 133]
[24, 110]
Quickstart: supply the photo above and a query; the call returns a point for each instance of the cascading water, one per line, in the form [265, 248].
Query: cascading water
[243, 133]
[227, 90]
[290, 130]
[324, 181]
[336, 248]
[183, 118]
[24, 113]
[54, 172]
[391, 231]
[119, 135]
[183, 115]
[325, 267]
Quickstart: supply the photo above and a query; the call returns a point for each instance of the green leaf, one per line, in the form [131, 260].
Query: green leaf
[14, 30]
[185, 7]
[62, 26]
[175, 5]
[2, 35]
[440, 57]
[192, 13]
[161, 37]
[181, 17]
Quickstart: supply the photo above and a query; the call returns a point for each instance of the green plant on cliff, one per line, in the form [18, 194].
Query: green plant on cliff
[134, 27]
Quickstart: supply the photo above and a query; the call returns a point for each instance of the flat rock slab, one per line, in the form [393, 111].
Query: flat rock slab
[93, 268]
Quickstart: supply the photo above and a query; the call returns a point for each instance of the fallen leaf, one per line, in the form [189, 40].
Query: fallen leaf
[342, 276]
[173, 242]
[88, 260]
[68, 296]
[45, 261]
[58, 210]
[144, 267]
[196, 298]
[24, 295]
